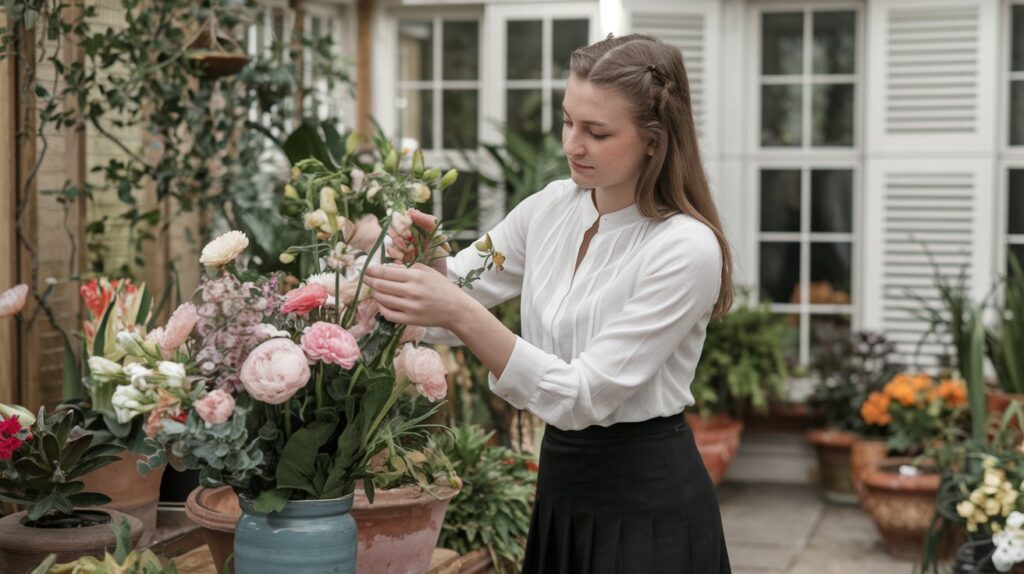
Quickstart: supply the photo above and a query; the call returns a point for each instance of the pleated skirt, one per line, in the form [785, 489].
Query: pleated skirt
[631, 498]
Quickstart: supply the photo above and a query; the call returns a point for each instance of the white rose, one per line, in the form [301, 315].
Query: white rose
[175, 373]
[224, 249]
[420, 193]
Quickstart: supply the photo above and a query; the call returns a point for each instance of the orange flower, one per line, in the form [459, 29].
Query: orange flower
[921, 382]
[875, 409]
[901, 389]
[953, 391]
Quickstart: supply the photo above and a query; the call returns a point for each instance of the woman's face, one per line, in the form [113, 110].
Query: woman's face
[600, 138]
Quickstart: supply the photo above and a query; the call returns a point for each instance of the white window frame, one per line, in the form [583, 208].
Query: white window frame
[807, 158]
[1010, 157]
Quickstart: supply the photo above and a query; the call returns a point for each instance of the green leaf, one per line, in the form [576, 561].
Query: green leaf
[89, 499]
[273, 500]
[297, 465]
[144, 305]
[99, 343]
[306, 142]
[45, 566]
[72, 387]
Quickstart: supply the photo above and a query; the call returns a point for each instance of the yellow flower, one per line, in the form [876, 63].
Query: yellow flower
[499, 260]
[965, 508]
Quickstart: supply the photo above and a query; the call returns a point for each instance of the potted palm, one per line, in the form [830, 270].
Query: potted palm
[42, 461]
[848, 367]
[741, 367]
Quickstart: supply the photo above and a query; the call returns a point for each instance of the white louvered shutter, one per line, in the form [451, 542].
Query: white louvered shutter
[686, 32]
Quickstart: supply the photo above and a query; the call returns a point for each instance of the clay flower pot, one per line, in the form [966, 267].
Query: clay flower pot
[996, 403]
[718, 439]
[22, 547]
[217, 511]
[398, 532]
[902, 507]
[864, 455]
[833, 449]
[129, 490]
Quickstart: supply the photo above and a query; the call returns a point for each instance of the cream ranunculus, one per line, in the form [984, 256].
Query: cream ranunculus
[274, 371]
[224, 249]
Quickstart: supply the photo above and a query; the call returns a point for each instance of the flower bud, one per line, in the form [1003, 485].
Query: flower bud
[417, 163]
[296, 173]
[391, 161]
[286, 258]
[449, 178]
[25, 417]
[103, 369]
[290, 192]
[431, 174]
[329, 200]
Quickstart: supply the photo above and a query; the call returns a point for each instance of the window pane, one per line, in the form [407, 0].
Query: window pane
[780, 200]
[416, 50]
[1017, 59]
[780, 272]
[557, 116]
[1017, 113]
[460, 119]
[523, 113]
[1016, 210]
[567, 35]
[415, 116]
[834, 42]
[524, 50]
[460, 203]
[832, 200]
[782, 48]
[828, 328]
[790, 340]
[830, 273]
[1017, 250]
[832, 115]
[781, 113]
[461, 55]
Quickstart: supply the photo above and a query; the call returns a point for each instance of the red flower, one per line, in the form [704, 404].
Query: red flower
[532, 466]
[180, 417]
[9, 426]
[7, 447]
[95, 296]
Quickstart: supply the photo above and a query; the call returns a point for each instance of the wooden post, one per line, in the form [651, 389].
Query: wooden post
[9, 363]
[364, 71]
[26, 128]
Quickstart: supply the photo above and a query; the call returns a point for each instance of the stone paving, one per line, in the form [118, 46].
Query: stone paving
[789, 529]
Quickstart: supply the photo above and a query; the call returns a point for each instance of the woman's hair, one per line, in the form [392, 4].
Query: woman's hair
[652, 77]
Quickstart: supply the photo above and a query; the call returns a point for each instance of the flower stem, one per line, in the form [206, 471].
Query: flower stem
[355, 377]
[320, 387]
[287, 420]
[350, 312]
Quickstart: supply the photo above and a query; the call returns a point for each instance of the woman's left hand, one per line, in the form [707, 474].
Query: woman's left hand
[416, 295]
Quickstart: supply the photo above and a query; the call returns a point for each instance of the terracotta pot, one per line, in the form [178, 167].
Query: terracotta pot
[129, 490]
[217, 511]
[22, 548]
[996, 403]
[864, 455]
[833, 449]
[398, 532]
[903, 507]
[718, 439]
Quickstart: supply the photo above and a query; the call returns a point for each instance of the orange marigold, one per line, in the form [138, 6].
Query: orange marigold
[875, 410]
[901, 389]
[921, 382]
[953, 391]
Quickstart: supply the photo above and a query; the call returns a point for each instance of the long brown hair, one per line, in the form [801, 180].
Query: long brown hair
[651, 75]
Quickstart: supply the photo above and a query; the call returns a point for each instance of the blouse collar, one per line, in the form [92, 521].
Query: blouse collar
[609, 221]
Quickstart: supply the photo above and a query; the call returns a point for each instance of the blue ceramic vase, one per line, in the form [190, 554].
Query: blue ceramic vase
[307, 537]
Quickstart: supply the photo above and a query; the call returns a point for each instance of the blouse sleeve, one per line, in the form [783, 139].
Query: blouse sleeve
[676, 296]
[493, 286]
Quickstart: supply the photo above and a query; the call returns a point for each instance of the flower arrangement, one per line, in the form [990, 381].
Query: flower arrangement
[295, 394]
[913, 410]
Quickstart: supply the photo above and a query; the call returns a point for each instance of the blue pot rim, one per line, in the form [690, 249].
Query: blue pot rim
[309, 507]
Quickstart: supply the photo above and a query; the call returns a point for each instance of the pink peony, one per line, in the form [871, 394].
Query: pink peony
[215, 407]
[424, 367]
[304, 299]
[178, 328]
[330, 343]
[366, 318]
[365, 234]
[13, 300]
[274, 371]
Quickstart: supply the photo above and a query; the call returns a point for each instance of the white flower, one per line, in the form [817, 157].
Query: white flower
[328, 201]
[420, 193]
[357, 176]
[129, 343]
[1015, 520]
[103, 369]
[13, 300]
[315, 220]
[269, 331]
[340, 257]
[175, 373]
[138, 373]
[224, 249]
[373, 189]
[965, 509]
[128, 402]
[993, 477]
[327, 280]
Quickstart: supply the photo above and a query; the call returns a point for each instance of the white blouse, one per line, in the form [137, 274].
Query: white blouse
[619, 339]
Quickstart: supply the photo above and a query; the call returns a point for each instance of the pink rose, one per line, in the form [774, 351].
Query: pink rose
[413, 334]
[215, 407]
[274, 371]
[366, 318]
[178, 328]
[304, 299]
[330, 343]
[424, 367]
[365, 234]
[13, 300]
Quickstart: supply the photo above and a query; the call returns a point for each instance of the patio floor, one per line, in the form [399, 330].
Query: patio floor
[787, 529]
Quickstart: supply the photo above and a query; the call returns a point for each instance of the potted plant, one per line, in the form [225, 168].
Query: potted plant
[295, 394]
[848, 367]
[1004, 342]
[900, 491]
[489, 521]
[42, 461]
[741, 367]
[124, 560]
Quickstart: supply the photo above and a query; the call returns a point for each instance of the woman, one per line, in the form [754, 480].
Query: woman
[620, 271]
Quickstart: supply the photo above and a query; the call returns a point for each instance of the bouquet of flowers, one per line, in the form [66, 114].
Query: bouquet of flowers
[297, 394]
[913, 410]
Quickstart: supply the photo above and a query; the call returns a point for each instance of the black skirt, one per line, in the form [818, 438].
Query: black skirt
[631, 498]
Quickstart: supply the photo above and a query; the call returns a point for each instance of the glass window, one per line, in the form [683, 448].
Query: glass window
[524, 52]
[1016, 100]
[567, 35]
[825, 90]
[461, 50]
[1015, 212]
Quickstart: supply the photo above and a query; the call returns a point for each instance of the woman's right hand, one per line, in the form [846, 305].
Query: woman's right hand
[408, 248]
